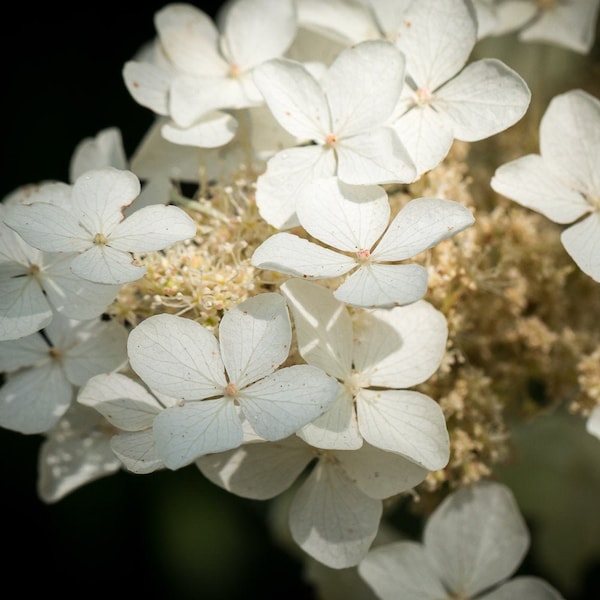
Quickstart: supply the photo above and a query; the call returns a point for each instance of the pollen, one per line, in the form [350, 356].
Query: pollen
[100, 239]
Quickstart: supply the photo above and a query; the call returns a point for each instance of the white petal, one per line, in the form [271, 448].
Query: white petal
[120, 400]
[177, 357]
[184, 433]
[400, 347]
[406, 422]
[437, 37]
[419, 225]
[476, 537]
[258, 30]
[363, 85]
[259, 471]
[532, 588]
[103, 264]
[137, 451]
[296, 256]
[153, 228]
[148, 85]
[375, 285]
[213, 130]
[23, 307]
[24, 352]
[255, 338]
[582, 242]
[401, 566]
[427, 136]
[337, 428]
[571, 26]
[374, 157]
[331, 519]
[74, 454]
[32, 401]
[323, 327]
[99, 197]
[532, 183]
[72, 295]
[592, 424]
[48, 227]
[104, 150]
[190, 39]
[103, 351]
[285, 401]
[570, 140]
[346, 217]
[485, 98]
[287, 173]
[380, 474]
[294, 97]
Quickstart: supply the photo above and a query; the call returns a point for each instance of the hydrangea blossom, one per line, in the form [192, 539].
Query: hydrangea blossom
[211, 379]
[563, 181]
[443, 99]
[34, 284]
[43, 369]
[375, 359]
[593, 422]
[336, 510]
[472, 545]
[75, 452]
[364, 243]
[195, 68]
[86, 218]
[344, 114]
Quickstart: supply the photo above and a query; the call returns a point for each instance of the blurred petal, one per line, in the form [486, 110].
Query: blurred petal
[582, 242]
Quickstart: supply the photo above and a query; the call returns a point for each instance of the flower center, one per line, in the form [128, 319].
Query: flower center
[230, 390]
[100, 239]
[422, 96]
[547, 4]
[235, 71]
[331, 140]
[363, 256]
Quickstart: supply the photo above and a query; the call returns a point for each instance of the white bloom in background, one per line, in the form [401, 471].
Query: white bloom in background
[219, 382]
[375, 360]
[336, 511]
[593, 422]
[130, 409]
[35, 284]
[354, 221]
[563, 181]
[443, 99]
[105, 149]
[86, 218]
[472, 545]
[197, 68]
[76, 451]
[344, 114]
[42, 370]
[567, 23]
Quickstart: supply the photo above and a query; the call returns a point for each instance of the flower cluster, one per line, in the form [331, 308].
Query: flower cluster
[337, 308]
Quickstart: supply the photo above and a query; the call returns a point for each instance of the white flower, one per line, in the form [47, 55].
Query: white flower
[344, 114]
[105, 149]
[336, 511]
[443, 99]
[354, 222]
[472, 544]
[76, 451]
[130, 409]
[563, 181]
[86, 218]
[43, 369]
[35, 284]
[375, 360]
[215, 381]
[566, 23]
[197, 68]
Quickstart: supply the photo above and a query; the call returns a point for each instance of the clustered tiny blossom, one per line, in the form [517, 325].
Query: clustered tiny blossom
[307, 284]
